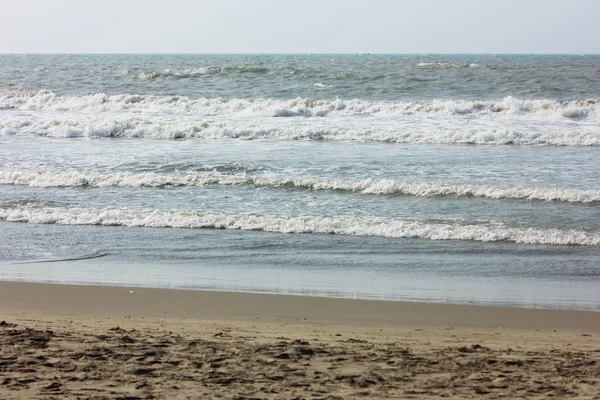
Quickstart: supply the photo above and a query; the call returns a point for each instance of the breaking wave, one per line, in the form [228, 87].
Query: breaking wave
[419, 132]
[509, 121]
[307, 182]
[510, 107]
[378, 227]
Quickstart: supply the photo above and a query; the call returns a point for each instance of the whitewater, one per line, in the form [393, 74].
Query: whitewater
[292, 224]
[365, 186]
[508, 121]
[462, 179]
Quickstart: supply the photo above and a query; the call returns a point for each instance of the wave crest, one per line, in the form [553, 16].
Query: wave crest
[585, 109]
[372, 227]
[307, 182]
[395, 132]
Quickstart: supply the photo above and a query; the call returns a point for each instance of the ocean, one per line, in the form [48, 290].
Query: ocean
[469, 179]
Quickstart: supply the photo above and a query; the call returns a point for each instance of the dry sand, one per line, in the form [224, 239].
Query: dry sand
[59, 341]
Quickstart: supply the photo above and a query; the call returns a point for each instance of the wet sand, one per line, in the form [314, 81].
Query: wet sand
[60, 341]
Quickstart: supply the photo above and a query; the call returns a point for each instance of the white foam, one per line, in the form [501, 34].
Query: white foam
[380, 227]
[505, 122]
[308, 182]
[179, 105]
[446, 65]
[409, 130]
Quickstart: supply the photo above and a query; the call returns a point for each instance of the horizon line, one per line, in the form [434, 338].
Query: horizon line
[299, 53]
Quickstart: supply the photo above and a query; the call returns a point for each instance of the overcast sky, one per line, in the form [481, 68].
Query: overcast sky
[300, 26]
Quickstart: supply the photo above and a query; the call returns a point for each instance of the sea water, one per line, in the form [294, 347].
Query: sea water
[460, 179]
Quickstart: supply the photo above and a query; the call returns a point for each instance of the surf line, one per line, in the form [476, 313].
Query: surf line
[83, 257]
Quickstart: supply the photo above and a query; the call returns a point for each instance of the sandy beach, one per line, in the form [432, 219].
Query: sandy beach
[60, 341]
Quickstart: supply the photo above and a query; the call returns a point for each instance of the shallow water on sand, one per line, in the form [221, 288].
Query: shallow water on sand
[313, 265]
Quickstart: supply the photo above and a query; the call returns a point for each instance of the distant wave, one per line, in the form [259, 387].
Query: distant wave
[307, 182]
[203, 72]
[250, 70]
[493, 232]
[509, 107]
[446, 65]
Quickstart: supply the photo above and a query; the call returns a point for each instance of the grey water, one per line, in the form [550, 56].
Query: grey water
[351, 76]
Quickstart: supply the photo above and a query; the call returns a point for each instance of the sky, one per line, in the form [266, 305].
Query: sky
[300, 26]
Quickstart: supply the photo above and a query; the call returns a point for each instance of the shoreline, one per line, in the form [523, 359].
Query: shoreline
[239, 306]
